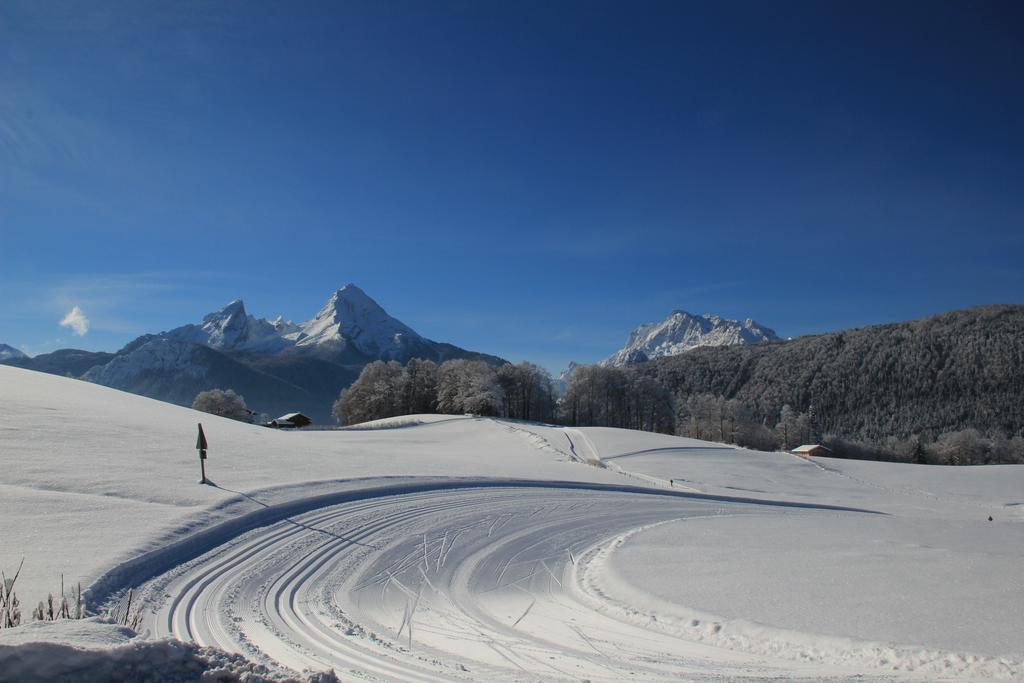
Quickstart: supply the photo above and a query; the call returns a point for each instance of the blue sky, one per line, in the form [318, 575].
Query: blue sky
[531, 179]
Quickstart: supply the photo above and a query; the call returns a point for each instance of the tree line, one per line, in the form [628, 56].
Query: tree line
[454, 387]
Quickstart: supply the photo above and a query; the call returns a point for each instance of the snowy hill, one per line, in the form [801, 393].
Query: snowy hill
[681, 332]
[278, 366]
[175, 371]
[440, 548]
[11, 353]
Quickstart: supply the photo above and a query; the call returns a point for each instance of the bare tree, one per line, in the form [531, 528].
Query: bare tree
[527, 393]
[223, 402]
[597, 396]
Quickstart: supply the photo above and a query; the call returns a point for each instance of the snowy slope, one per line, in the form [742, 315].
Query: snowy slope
[9, 352]
[74, 450]
[176, 371]
[681, 332]
[455, 548]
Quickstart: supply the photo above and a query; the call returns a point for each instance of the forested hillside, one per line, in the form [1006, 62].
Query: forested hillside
[947, 389]
[948, 372]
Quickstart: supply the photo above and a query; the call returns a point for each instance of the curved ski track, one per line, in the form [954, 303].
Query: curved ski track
[440, 585]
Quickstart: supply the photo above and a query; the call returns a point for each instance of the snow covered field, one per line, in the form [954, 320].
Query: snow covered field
[448, 548]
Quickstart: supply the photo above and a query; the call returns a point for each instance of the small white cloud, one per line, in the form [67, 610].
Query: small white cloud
[76, 320]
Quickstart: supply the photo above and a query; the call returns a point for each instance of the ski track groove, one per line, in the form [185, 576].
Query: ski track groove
[297, 594]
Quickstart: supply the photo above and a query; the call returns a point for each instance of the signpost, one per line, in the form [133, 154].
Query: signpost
[201, 446]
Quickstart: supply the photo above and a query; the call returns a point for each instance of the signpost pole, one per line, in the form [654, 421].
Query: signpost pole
[201, 446]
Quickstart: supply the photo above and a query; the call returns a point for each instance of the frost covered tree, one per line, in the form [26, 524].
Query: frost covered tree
[468, 386]
[527, 393]
[374, 395]
[787, 428]
[417, 387]
[596, 396]
[965, 447]
[387, 389]
[758, 436]
[223, 402]
[649, 406]
[617, 397]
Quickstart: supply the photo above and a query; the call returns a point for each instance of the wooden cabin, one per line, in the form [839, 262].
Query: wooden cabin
[811, 449]
[291, 421]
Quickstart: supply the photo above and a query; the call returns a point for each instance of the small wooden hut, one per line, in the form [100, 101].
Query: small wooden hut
[291, 421]
[811, 449]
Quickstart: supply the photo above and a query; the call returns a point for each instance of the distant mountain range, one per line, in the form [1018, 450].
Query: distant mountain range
[278, 366]
[678, 333]
[681, 332]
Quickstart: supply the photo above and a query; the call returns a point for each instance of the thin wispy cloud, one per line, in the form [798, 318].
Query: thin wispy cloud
[77, 321]
[113, 289]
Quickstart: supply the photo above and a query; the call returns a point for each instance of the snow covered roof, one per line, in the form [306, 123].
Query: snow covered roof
[289, 417]
[809, 448]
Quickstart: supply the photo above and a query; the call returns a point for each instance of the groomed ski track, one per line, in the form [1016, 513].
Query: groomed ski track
[437, 580]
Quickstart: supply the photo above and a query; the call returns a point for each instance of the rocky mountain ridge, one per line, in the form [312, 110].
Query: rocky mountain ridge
[681, 332]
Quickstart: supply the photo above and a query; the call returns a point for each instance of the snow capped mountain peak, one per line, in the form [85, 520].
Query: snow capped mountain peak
[233, 309]
[351, 298]
[350, 330]
[682, 331]
[10, 353]
[228, 327]
[561, 383]
[566, 374]
[351, 316]
[351, 289]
